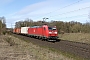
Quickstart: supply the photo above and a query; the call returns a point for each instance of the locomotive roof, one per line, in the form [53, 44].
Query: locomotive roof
[35, 26]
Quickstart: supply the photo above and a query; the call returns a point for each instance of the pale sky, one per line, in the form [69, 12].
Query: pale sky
[58, 10]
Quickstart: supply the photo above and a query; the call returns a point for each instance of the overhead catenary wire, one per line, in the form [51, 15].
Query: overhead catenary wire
[62, 7]
[72, 11]
[65, 6]
[75, 16]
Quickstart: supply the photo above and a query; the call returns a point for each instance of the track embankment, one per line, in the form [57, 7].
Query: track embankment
[81, 50]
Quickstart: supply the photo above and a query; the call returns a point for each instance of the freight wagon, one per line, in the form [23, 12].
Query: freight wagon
[14, 30]
[24, 30]
[17, 30]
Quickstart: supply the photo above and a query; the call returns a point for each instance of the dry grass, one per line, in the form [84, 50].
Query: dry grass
[77, 37]
[22, 50]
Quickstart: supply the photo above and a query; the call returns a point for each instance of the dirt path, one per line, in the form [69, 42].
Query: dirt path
[21, 50]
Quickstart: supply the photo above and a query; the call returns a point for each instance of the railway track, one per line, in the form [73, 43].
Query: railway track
[79, 49]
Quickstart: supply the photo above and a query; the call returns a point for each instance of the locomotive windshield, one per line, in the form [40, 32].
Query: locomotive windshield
[51, 28]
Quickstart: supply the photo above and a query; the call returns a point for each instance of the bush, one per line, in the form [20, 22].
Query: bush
[4, 33]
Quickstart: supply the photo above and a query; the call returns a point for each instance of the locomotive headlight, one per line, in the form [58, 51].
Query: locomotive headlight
[55, 32]
[50, 32]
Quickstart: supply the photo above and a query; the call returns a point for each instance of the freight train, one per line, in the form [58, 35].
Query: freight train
[43, 32]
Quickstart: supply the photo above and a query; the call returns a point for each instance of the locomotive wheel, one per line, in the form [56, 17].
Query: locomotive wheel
[48, 40]
[39, 38]
[43, 39]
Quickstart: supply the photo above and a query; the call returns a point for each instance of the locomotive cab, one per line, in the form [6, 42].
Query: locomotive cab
[52, 33]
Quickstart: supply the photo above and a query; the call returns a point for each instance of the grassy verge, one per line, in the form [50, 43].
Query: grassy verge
[10, 41]
[76, 37]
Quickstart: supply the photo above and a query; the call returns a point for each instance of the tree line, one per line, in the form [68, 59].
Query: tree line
[2, 25]
[67, 27]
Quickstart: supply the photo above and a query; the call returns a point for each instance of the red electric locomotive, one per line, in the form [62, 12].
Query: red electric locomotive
[43, 32]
